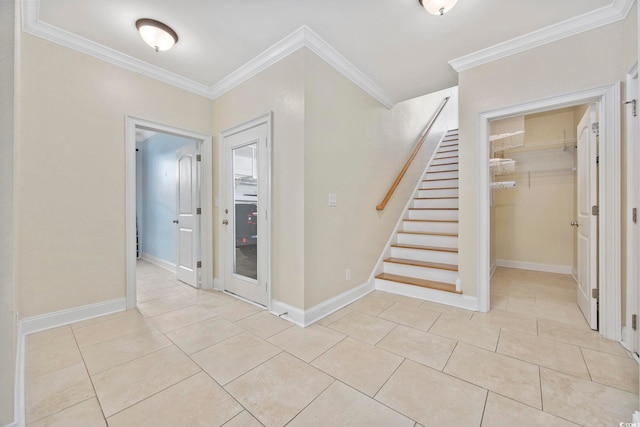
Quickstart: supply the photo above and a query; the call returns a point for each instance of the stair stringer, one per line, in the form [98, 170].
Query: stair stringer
[386, 252]
[448, 298]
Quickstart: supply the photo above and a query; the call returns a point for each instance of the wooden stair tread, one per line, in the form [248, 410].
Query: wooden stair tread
[429, 233]
[431, 220]
[427, 264]
[452, 170]
[430, 284]
[433, 209]
[445, 164]
[442, 188]
[448, 157]
[425, 248]
[434, 198]
[437, 179]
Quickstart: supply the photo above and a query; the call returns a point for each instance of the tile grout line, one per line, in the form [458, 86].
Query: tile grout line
[86, 369]
[484, 407]
[154, 394]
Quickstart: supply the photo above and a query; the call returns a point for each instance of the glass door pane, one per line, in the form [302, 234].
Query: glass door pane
[245, 174]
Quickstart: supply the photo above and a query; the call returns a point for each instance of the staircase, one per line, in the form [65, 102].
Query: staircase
[426, 250]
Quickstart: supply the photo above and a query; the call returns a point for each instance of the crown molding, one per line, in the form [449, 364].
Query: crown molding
[616, 11]
[273, 54]
[302, 37]
[325, 51]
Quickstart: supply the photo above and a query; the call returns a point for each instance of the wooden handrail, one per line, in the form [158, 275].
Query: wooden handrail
[423, 137]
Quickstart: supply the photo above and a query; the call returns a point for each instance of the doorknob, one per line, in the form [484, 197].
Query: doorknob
[175, 221]
[225, 222]
[575, 224]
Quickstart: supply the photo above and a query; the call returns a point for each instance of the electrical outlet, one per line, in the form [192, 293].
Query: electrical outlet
[348, 274]
[333, 200]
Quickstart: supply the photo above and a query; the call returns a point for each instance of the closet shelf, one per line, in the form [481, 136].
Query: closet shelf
[547, 171]
[503, 185]
[559, 144]
[502, 166]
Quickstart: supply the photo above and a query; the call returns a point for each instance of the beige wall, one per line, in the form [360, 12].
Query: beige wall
[329, 137]
[532, 219]
[7, 306]
[354, 148]
[279, 89]
[70, 171]
[560, 67]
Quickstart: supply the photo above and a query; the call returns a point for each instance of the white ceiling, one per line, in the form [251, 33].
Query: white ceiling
[401, 48]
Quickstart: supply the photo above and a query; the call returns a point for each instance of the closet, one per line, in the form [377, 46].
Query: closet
[533, 167]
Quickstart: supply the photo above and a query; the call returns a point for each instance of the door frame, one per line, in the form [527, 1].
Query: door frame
[609, 198]
[206, 199]
[633, 200]
[266, 119]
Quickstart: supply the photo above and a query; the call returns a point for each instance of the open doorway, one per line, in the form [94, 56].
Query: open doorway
[544, 183]
[169, 201]
[165, 182]
[609, 203]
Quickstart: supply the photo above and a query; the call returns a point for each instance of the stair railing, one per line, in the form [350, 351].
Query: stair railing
[423, 137]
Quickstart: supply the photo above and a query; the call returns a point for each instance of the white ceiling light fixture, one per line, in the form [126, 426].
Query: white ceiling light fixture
[156, 34]
[438, 7]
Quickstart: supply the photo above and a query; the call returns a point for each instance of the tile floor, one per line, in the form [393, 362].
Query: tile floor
[194, 358]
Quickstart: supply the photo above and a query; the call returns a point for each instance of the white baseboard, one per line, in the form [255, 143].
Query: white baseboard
[522, 265]
[64, 317]
[440, 297]
[306, 318]
[217, 284]
[159, 262]
[334, 304]
[47, 321]
[288, 312]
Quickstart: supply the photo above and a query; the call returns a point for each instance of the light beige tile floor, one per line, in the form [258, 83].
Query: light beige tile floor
[188, 357]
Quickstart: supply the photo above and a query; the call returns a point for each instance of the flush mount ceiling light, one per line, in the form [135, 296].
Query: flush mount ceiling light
[438, 7]
[156, 34]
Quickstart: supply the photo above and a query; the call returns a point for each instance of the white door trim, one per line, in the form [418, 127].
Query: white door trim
[633, 200]
[609, 197]
[206, 197]
[266, 119]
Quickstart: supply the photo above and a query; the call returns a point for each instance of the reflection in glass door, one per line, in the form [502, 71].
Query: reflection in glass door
[245, 197]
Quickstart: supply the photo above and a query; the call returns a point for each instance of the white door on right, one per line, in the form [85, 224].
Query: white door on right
[587, 198]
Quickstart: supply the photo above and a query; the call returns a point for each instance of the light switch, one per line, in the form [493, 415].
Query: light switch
[333, 200]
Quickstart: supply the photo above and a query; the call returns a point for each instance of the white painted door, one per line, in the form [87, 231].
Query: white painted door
[587, 197]
[188, 223]
[245, 224]
[633, 223]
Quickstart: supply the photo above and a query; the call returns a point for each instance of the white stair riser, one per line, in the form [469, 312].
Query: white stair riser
[428, 240]
[449, 214]
[439, 168]
[437, 161]
[435, 203]
[441, 175]
[426, 273]
[427, 227]
[449, 192]
[425, 255]
[445, 183]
